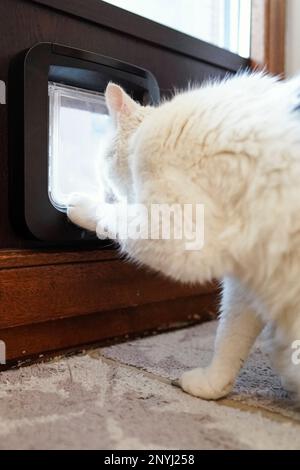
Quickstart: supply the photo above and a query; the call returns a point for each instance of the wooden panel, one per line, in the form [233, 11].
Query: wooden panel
[55, 300]
[27, 258]
[34, 294]
[268, 35]
[275, 32]
[31, 340]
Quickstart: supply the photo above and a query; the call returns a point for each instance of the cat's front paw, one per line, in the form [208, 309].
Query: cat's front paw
[202, 383]
[82, 211]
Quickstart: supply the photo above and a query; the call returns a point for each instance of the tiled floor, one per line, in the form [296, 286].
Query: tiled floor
[121, 397]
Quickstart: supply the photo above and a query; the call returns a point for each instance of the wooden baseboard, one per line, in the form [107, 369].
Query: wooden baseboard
[27, 343]
[56, 300]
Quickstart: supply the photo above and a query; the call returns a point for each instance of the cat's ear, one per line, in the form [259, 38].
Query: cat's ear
[118, 102]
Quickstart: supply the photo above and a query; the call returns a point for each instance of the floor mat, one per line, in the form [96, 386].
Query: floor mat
[121, 398]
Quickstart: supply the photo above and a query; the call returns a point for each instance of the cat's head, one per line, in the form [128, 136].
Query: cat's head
[126, 116]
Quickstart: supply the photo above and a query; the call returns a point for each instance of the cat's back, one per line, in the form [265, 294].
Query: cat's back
[253, 113]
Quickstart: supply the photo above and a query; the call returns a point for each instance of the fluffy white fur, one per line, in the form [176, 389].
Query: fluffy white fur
[233, 146]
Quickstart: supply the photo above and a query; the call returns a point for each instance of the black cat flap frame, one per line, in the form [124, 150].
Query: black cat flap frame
[31, 206]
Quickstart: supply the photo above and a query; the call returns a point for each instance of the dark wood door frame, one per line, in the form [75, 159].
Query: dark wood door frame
[268, 35]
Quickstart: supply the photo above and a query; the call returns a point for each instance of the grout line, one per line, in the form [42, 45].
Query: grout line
[271, 415]
[229, 403]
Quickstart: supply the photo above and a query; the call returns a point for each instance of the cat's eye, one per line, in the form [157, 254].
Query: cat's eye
[62, 129]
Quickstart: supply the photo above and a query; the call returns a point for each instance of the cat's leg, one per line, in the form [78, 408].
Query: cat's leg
[238, 328]
[289, 369]
[285, 354]
[82, 211]
[294, 366]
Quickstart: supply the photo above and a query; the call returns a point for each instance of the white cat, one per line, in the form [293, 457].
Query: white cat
[233, 146]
